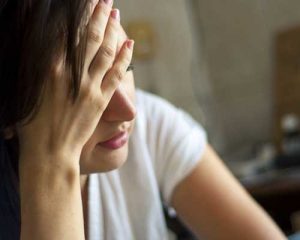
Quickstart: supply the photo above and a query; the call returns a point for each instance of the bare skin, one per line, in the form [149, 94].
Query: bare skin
[209, 200]
[51, 144]
[215, 206]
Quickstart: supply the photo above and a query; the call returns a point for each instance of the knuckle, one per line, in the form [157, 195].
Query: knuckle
[127, 60]
[106, 11]
[119, 74]
[95, 101]
[113, 25]
[95, 35]
[92, 100]
[101, 104]
[87, 91]
[102, 9]
[107, 51]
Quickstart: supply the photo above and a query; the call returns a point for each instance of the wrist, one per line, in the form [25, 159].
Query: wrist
[39, 176]
[50, 197]
[58, 163]
[44, 156]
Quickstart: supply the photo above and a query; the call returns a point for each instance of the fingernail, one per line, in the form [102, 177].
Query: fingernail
[130, 44]
[115, 13]
[108, 2]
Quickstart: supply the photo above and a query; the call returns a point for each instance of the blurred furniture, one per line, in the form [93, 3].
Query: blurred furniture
[278, 192]
[287, 78]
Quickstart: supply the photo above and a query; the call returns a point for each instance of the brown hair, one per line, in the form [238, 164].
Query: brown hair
[31, 34]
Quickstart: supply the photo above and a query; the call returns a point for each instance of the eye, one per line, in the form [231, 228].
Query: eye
[130, 67]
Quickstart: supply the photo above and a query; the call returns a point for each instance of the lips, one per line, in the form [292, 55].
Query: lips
[118, 141]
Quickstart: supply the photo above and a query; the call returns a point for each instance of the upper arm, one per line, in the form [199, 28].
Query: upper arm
[214, 205]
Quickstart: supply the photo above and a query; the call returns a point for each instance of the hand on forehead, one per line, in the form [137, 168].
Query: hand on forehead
[122, 34]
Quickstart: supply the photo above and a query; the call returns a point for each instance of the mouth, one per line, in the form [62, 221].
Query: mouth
[117, 141]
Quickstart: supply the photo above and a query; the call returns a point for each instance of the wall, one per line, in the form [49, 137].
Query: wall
[220, 67]
[238, 39]
[174, 72]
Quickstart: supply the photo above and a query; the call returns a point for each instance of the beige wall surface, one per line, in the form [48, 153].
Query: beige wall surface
[219, 66]
[176, 72]
[238, 37]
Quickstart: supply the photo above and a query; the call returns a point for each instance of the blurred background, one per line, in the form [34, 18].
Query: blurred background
[234, 65]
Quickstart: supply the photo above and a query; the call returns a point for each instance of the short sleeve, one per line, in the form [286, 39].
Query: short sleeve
[176, 142]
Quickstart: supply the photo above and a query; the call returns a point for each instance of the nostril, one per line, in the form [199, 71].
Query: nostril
[120, 108]
[132, 113]
[127, 108]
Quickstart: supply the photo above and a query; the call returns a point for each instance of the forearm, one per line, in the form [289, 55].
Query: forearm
[51, 206]
[215, 206]
[246, 220]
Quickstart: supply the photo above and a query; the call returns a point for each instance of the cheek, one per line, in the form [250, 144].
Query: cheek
[86, 157]
[99, 160]
[88, 149]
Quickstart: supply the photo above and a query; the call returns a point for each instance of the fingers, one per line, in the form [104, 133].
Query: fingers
[90, 10]
[91, 7]
[104, 64]
[118, 71]
[96, 29]
[107, 51]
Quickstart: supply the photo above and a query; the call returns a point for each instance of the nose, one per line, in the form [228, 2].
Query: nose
[120, 108]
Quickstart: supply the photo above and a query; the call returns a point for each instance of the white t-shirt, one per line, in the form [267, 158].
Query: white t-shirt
[165, 146]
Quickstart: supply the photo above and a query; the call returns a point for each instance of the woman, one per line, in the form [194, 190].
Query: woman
[68, 108]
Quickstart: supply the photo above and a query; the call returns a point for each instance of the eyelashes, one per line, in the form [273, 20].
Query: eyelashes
[130, 67]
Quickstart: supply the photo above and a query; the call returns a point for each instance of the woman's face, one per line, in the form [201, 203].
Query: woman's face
[107, 148]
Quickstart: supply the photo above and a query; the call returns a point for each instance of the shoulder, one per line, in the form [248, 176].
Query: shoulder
[151, 103]
[166, 127]
[174, 140]
[157, 111]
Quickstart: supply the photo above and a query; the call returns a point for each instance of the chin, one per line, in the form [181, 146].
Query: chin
[103, 160]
